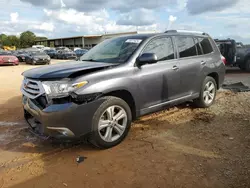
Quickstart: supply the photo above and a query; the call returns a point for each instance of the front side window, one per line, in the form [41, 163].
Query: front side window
[206, 45]
[161, 47]
[186, 46]
[117, 50]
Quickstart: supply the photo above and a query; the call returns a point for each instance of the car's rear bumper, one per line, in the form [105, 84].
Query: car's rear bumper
[66, 121]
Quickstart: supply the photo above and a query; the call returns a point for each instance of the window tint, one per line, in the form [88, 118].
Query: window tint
[186, 46]
[206, 45]
[162, 47]
[198, 46]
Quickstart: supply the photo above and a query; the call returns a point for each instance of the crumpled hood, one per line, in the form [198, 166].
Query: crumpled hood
[63, 70]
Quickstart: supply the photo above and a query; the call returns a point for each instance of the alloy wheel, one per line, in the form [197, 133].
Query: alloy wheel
[112, 123]
[209, 92]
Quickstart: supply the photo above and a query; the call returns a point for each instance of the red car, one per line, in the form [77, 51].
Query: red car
[6, 58]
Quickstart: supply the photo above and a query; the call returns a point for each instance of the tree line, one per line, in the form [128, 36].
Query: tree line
[25, 40]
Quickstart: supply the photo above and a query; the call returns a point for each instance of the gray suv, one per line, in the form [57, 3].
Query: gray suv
[118, 81]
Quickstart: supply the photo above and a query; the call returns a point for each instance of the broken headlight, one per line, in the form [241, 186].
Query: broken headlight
[59, 89]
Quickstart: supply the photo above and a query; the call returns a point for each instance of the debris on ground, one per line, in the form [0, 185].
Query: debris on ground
[80, 159]
[236, 87]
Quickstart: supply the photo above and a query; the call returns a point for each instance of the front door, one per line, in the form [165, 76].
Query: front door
[159, 82]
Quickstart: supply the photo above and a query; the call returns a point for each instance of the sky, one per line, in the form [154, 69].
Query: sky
[65, 18]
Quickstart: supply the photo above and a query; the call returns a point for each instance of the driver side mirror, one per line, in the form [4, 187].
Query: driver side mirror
[146, 58]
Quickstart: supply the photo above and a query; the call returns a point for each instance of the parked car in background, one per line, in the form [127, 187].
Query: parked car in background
[80, 52]
[118, 81]
[21, 55]
[37, 57]
[66, 54]
[8, 59]
[62, 48]
[39, 47]
[76, 48]
[51, 52]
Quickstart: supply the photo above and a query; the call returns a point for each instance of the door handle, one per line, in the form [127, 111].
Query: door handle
[175, 67]
[203, 62]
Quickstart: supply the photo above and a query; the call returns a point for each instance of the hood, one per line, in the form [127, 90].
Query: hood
[64, 70]
[40, 56]
[7, 56]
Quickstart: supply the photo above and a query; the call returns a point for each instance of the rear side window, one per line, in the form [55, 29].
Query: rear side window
[186, 46]
[162, 47]
[206, 45]
[198, 46]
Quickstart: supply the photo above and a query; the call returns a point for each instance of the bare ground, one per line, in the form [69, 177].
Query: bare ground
[180, 147]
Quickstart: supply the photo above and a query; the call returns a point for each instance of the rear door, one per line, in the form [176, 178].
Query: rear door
[159, 82]
[190, 63]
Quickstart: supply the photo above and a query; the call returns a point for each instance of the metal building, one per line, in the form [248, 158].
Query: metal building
[86, 41]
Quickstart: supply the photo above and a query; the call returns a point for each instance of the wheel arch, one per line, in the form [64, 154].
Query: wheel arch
[127, 97]
[215, 76]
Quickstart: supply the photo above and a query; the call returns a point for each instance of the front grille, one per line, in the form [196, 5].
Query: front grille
[6, 59]
[32, 88]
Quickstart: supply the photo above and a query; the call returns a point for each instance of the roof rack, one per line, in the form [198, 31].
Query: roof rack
[185, 31]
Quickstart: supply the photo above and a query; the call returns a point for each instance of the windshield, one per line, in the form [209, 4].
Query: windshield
[67, 51]
[38, 53]
[4, 53]
[81, 51]
[116, 50]
[49, 51]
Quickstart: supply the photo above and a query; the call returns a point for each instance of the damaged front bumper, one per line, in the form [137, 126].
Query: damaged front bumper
[62, 121]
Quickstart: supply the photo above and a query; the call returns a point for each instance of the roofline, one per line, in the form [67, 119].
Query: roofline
[186, 32]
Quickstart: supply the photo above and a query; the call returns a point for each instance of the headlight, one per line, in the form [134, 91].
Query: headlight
[48, 57]
[59, 89]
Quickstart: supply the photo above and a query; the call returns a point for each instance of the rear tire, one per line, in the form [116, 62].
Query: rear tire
[242, 67]
[207, 93]
[116, 125]
[247, 65]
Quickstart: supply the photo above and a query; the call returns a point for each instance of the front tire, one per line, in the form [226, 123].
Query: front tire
[207, 93]
[111, 123]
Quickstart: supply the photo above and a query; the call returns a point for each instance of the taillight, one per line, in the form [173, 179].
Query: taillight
[224, 60]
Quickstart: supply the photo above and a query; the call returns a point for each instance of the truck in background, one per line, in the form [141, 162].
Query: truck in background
[236, 53]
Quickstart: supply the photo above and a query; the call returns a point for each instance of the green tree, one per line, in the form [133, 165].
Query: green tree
[41, 38]
[27, 39]
[13, 41]
[3, 39]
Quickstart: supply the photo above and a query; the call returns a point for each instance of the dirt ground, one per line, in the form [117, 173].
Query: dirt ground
[180, 147]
